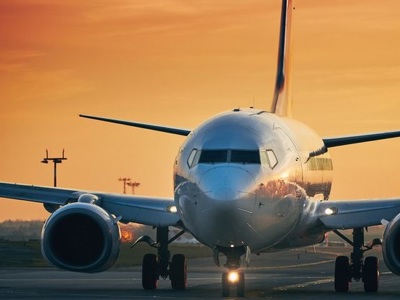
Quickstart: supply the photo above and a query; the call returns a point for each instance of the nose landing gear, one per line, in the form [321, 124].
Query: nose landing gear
[233, 279]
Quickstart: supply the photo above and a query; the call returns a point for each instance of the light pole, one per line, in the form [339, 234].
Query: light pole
[124, 180]
[56, 160]
[133, 185]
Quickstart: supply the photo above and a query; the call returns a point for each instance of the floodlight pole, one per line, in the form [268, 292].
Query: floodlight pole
[133, 185]
[125, 180]
[56, 160]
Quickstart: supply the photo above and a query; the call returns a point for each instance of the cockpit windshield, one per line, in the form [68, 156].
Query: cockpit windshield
[234, 156]
[212, 156]
[245, 156]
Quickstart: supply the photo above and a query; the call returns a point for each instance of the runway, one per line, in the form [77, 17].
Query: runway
[295, 274]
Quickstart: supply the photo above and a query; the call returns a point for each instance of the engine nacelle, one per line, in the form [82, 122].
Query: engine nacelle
[391, 245]
[81, 237]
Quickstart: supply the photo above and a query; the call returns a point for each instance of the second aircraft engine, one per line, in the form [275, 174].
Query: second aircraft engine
[391, 245]
[81, 237]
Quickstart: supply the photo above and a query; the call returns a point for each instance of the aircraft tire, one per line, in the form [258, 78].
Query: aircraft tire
[240, 285]
[178, 272]
[149, 272]
[225, 285]
[371, 274]
[342, 274]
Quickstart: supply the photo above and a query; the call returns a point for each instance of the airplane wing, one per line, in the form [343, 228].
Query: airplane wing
[361, 138]
[144, 210]
[356, 213]
[172, 130]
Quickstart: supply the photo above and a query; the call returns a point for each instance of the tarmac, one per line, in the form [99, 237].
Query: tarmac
[295, 274]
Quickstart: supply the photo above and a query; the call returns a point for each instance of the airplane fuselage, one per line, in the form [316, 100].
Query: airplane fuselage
[250, 178]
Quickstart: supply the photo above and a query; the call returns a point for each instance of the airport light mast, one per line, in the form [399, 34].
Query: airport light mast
[125, 180]
[56, 160]
[133, 185]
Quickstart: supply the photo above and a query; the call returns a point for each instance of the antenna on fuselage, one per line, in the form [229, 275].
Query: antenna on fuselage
[282, 101]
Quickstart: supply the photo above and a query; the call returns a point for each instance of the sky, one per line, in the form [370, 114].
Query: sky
[177, 63]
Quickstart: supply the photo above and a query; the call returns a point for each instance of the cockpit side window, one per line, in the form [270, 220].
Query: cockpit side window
[213, 156]
[268, 158]
[245, 156]
[191, 158]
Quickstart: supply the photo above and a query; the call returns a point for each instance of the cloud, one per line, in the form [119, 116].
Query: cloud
[172, 17]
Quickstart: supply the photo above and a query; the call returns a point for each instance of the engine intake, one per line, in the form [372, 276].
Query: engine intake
[391, 245]
[81, 237]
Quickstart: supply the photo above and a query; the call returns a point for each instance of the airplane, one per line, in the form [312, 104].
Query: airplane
[245, 181]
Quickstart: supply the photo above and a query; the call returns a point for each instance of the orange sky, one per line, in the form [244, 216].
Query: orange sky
[178, 63]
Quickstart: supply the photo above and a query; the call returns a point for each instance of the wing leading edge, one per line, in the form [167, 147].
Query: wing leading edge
[166, 129]
[144, 210]
[361, 138]
[350, 214]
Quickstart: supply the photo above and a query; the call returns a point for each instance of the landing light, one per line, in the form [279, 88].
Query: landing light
[172, 209]
[331, 211]
[233, 276]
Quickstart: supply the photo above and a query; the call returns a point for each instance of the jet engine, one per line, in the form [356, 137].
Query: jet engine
[391, 245]
[81, 237]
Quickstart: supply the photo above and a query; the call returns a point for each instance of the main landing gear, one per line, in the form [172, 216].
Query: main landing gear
[156, 266]
[357, 267]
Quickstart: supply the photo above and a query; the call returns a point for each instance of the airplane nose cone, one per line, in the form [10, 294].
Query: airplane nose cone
[223, 193]
[228, 204]
[226, 184]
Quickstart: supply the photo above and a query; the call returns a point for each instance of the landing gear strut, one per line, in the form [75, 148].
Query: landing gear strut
[156, 266]
[357, 267]
[233, 279]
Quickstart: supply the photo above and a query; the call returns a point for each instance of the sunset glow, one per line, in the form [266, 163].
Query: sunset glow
[178, 63]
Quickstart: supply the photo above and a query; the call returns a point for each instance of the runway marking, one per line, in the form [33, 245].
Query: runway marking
[69, 279]
[294, 266]
[304, 284]
[386, 273]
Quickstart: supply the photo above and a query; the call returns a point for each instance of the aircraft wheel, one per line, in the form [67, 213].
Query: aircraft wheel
[178, 272]
[240, 285]
[342, 274]
[149, 272]
[225, 285]
[371, 274]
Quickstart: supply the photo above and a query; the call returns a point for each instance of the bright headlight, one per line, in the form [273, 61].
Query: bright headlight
[233, 276]
[172, 209]
[331, 211]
